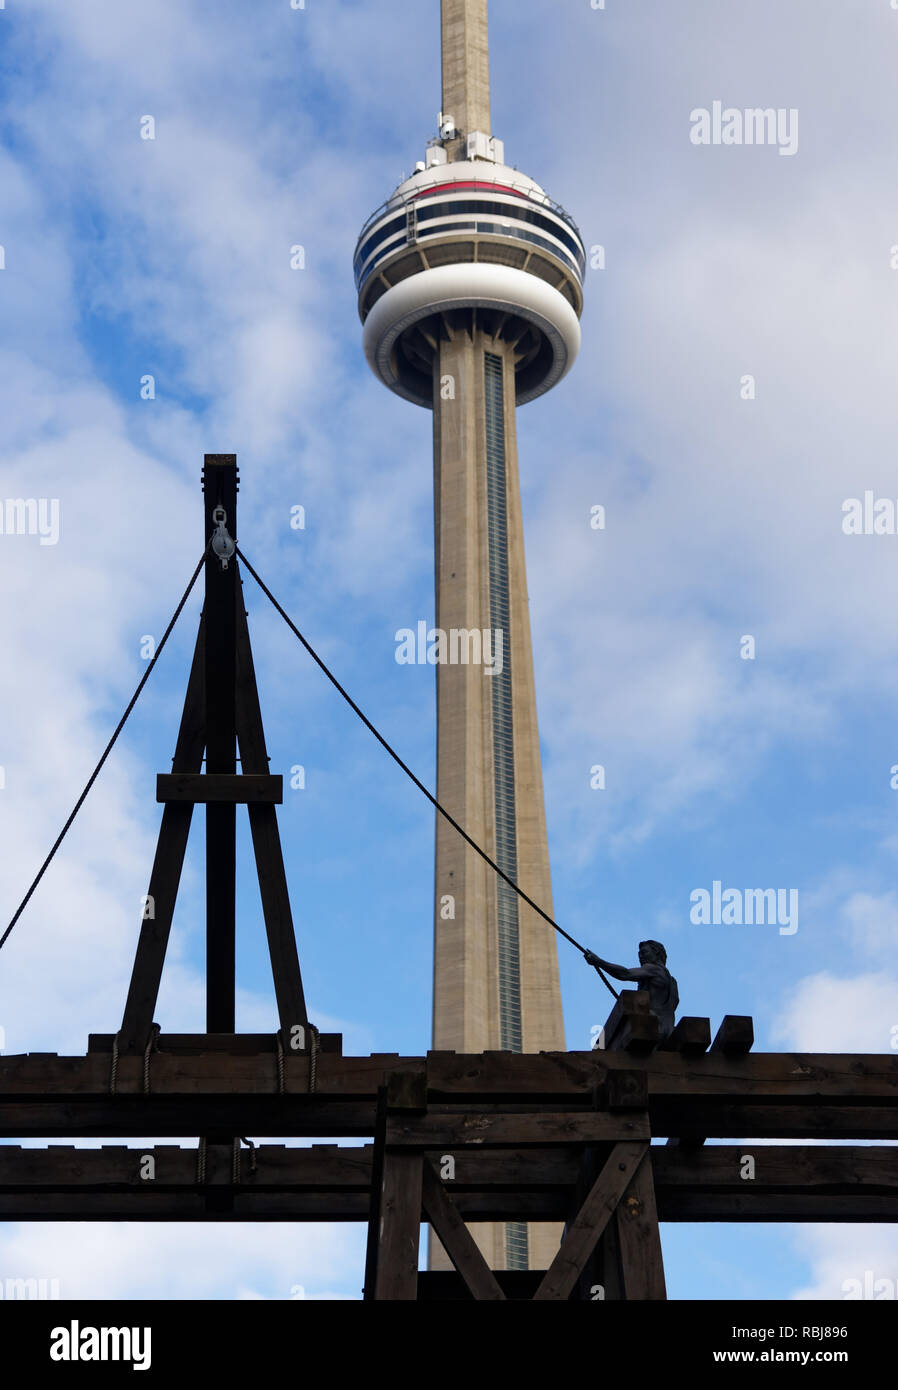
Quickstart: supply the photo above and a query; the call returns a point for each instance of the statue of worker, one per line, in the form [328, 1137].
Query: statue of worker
[652, 974]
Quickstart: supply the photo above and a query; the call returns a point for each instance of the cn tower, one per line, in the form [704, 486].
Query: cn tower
[470, 289]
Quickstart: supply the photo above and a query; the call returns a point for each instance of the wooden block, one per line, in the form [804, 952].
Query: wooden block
[234, 787]
[637, 1035]
[735, 1036]
[630, 1026]
[407, 1090]
[691, 1036]
[629, 1001]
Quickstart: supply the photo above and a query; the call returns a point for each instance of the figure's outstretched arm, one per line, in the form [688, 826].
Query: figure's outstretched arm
[617, 972]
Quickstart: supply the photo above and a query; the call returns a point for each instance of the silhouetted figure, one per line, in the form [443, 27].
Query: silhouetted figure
[652, 973]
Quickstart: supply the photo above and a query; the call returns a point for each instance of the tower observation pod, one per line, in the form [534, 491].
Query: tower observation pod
[464, 246]
[470, 289]
[470, 242]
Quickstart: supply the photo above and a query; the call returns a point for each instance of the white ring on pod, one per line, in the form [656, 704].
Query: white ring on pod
[469, 285]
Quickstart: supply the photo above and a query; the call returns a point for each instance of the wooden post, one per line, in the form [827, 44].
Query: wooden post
[642, 1266]
[600, 1268]
[398, 1230]
[376, 1197]
[220, 489]
[400, 1225]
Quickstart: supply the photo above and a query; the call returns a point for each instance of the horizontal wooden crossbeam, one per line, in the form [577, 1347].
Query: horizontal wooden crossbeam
[823, 1079]
[332, 1182]
[235, 1044]
[442, 1130]
[775, 1096]
[245, 788]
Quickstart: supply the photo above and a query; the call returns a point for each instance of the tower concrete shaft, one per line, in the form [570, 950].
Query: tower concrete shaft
[466, 69]
[496, 981]
[496, 972]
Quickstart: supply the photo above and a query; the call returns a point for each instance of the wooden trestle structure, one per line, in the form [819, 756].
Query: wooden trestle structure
[495, 1137]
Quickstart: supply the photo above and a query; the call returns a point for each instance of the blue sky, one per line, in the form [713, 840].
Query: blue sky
[123, 257]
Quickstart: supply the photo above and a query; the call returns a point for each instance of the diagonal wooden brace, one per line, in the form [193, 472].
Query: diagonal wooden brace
[457, 1240]
[581, 1237]
[267, 841]
[167, 865]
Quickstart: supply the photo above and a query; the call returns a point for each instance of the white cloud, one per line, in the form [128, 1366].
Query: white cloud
[146, 1260]
[838, 1254]
[827, 1014]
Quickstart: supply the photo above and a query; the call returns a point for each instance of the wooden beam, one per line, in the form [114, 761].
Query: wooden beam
[332, 1182]
[777, 1206]
[171, 846]
[710, 1094]
[195, 1044]
[457, 1240]
[630, 1026]
[234, 788]
[400, 1226]
[756, 1076]
[455, 1131]
[220, 489]
[683, 1093]
[188, 1204]
[220, 1071]
[745, 1167]
[721, 1119]
[276, 908]
[598, 1269]
[377, 1186]
[172, 1107]
[691, 1037]
[294, 1116]
[642, 1266]
[735, 1036]
[817, 1169]
[580, 1238]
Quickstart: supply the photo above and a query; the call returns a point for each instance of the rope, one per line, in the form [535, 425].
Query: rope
[106, 751]
[201, 1162]
[314, 1049]
[113, 1075]
[148, 1052]
[408, 772]
[235, 1171]
[150, 1048]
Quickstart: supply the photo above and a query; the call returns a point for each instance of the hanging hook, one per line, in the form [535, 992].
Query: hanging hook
[222, 543]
